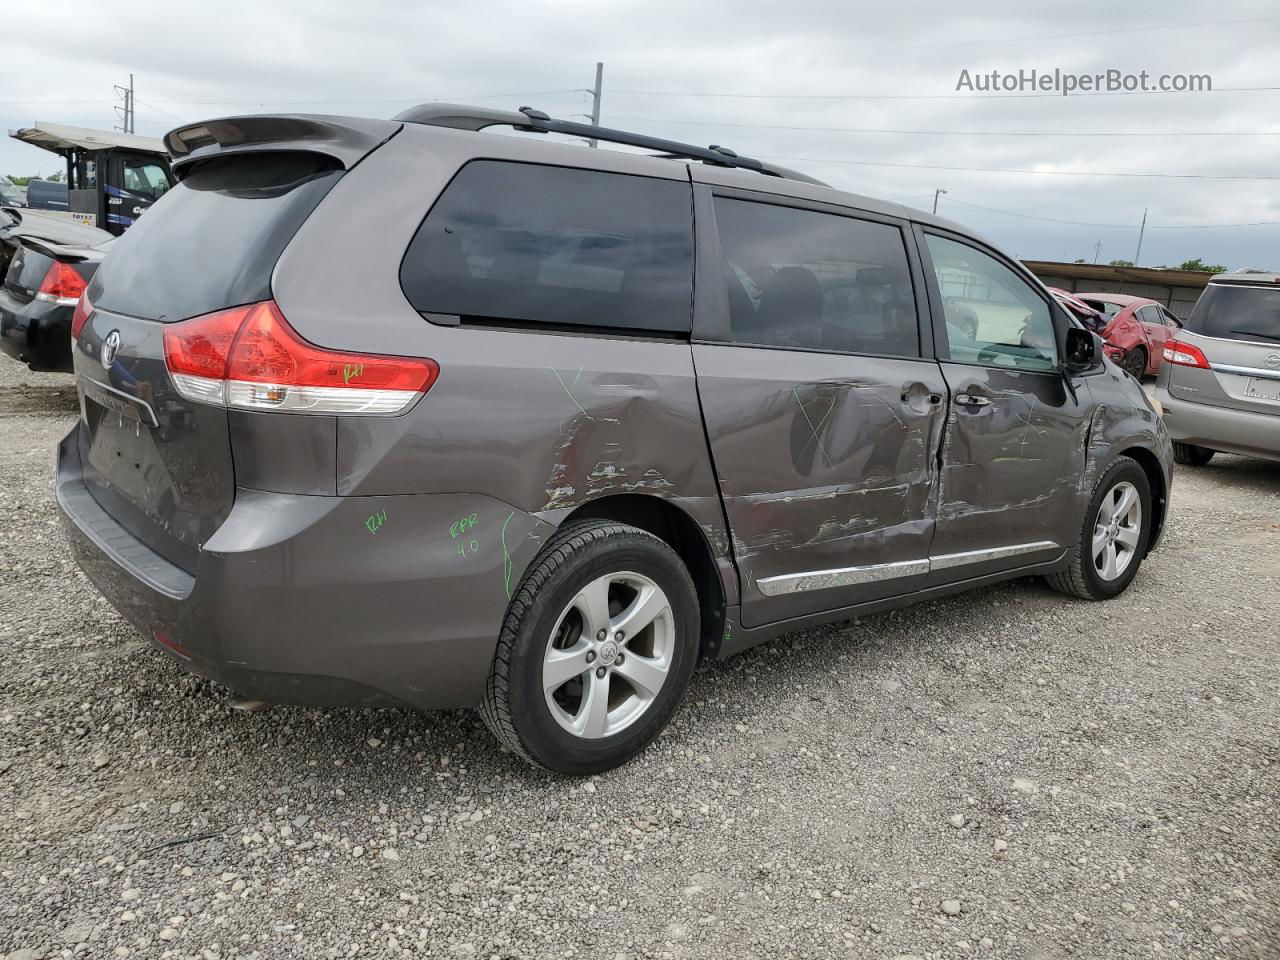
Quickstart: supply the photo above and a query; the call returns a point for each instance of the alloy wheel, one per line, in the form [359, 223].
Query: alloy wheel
[1116, 531]
[609, 655]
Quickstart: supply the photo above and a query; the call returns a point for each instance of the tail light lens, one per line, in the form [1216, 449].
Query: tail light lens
[1185, 355]
[249, 358]
[80, 316]
[61, 285]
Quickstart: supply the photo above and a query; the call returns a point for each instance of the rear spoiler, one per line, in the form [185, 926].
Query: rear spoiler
[346, 139]
[67, 254]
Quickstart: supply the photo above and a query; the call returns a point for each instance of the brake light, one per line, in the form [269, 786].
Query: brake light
[1185, 355]
[80, 316]
[249, 358]
[61, 285]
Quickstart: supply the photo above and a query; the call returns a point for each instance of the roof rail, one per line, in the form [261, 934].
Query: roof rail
[528, 119]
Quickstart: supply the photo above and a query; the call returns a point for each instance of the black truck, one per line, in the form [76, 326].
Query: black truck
[111, 177]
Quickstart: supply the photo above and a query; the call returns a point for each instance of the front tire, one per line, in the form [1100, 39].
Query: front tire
[596, 651]
[1189, 455]
[1113, 538]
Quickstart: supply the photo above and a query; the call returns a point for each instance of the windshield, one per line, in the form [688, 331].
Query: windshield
[1237, 312]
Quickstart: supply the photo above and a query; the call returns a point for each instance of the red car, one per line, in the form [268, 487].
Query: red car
[1136, 330]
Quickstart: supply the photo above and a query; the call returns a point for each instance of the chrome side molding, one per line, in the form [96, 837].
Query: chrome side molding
[945, 560]
[871, 573]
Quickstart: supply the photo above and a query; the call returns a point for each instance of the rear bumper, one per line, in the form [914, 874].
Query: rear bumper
[309, 600]
[1241, 432]
[37, 333]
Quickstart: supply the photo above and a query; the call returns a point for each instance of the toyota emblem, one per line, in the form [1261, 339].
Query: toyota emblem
[1273, 361]
[110, 347]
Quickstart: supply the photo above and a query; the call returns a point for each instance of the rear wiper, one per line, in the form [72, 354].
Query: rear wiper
[1258, 333]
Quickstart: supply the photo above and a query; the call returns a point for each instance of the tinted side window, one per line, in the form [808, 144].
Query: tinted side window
[992, 316]
[555, 245]
[816, 281]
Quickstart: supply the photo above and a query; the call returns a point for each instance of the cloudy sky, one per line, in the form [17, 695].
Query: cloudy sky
[860, 94]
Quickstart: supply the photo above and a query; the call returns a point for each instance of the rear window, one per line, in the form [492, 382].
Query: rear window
[525, 243]
[1237, 313]
[212, 241]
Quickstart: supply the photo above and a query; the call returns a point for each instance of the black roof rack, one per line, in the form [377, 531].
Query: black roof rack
[535, 121]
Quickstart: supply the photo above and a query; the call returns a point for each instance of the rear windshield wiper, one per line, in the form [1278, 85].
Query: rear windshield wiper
[1258, 333]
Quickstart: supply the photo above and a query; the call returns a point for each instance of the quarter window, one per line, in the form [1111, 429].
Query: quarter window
[816, 281]
[992, 316]
[517, 242]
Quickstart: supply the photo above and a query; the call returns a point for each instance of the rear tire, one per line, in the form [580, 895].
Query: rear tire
[1135, 363]
[1189, 455]
[573, 688]
[1113, 537]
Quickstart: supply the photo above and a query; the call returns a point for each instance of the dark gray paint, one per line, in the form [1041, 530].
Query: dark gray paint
[340, 578]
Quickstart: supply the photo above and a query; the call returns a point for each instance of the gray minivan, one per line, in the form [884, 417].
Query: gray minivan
[406, 413]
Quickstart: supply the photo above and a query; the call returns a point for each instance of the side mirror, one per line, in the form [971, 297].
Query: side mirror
[1084, 350]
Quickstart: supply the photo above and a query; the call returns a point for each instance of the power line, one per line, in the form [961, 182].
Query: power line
[960, 133]
[435, 99]
[1052, 173]
[1112, 226]
[987, 41]
[937, 96]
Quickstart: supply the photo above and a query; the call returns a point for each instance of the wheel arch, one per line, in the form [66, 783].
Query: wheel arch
[682, 533]
[1150, 465]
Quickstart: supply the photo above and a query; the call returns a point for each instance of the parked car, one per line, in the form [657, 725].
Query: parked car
[1136, 331]
[47, 195]
[395, 412]
[45, 264]
[1089, 317]
[1220, 384]
[12, 195]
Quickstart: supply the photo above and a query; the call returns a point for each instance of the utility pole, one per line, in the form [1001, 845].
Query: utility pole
[1137, 257]
[1097, 249]
[596, 92]
[935, 198]
[126, 112]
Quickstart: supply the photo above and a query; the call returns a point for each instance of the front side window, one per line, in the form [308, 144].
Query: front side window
[148, 179]
[815, 281]
[556, 245]
[992, 316]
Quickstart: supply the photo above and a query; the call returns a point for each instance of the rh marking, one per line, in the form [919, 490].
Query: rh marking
[375, 522]
[351, 370]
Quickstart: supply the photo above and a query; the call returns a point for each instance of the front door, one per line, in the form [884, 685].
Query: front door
[1014, 447]
[136, 181]
[822, 414]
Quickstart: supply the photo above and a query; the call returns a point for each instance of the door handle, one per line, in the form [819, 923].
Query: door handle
[914, 390]
[972, 400]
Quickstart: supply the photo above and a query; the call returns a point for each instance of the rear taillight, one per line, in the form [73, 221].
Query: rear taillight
[61, 285]
[80, 316]
[1185, 355]
[250, 358]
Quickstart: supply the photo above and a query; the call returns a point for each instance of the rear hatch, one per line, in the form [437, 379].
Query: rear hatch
[161, 464]
[1234, 333]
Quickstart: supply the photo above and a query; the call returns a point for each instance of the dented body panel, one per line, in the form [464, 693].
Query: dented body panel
[824, 462]
[371, 559]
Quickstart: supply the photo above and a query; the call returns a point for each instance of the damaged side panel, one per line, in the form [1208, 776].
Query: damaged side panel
[826, 462]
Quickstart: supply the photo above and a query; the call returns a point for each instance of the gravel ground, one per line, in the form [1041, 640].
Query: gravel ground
[1007, 774]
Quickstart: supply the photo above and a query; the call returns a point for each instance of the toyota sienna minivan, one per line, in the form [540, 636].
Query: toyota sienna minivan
[407, 413]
